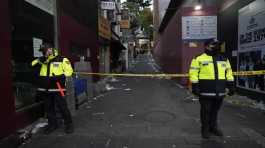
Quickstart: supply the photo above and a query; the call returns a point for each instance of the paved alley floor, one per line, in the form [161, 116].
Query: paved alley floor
[152, 113]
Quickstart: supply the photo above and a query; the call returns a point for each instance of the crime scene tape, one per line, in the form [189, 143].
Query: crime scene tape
[239, 73]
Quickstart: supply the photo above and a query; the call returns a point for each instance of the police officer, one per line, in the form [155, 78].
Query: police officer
[210, 74]
[51, 82]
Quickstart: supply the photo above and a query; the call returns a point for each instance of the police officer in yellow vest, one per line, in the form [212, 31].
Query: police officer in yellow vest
[210, 74]
[51, 86]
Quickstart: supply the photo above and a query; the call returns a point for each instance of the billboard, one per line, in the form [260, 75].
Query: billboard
[251, 44]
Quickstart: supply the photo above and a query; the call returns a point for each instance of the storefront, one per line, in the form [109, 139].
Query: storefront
[117, 54]
[104, 42]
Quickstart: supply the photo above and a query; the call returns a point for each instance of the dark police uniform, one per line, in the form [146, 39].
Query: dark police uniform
[51, 85]
[210, 75]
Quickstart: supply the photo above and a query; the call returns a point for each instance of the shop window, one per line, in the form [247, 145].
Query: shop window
[30, 26]
[24, 76]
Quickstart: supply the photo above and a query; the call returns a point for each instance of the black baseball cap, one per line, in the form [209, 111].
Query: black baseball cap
[211, 41]
[45, 46]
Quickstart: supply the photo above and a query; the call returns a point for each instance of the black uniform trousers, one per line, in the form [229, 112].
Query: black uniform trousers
[209, 111]
[50, 100]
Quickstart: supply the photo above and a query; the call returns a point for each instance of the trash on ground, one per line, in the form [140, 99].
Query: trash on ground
[37, 127]
[127, 89]
[25, 136]
[88, 107]
[131, 115]
[245, 101]
[95, 114]
[108, 87]
[108, 143]
[113, 80]
[174, 146]
[99, 96]
[123, 84]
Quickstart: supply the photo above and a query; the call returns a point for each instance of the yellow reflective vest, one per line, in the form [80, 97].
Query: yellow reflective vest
[53, 70]
[211, 74]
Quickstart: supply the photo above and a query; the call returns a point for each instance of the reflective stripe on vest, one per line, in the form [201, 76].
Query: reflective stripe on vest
[50, 90]
[212, 94]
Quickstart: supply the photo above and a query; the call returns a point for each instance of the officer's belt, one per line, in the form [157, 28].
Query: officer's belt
[51, 90]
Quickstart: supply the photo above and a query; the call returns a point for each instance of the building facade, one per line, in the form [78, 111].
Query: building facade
[232, 22]
[26, 24]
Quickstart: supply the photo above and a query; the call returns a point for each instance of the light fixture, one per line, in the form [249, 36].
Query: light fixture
[198, 7]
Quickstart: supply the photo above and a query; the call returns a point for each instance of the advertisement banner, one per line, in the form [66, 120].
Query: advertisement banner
[251, 44]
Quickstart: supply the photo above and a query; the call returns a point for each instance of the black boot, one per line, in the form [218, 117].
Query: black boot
[205, 133]
[69, 128]
[49, 129]
[217, 132]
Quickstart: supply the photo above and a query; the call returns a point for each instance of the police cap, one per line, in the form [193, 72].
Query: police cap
[45, 46]
[211, 41]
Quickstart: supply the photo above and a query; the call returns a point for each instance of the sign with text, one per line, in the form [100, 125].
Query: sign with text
[251, 44]
[125, 24]
[199, 27]
[107, 5]
[104, 29]
[36, 46]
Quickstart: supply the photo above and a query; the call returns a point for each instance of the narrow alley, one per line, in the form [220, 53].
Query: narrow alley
[155, 113]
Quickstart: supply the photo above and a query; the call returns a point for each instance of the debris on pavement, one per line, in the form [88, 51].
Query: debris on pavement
[96, 114]
[127, 89]
[38, 126]
[174, 146]
[88, 107]
[131, 115]
[109, 88]
[113, 79]
[108, 143]
[24, 136]
[123, 84]
[245, 101]
[99, 96]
